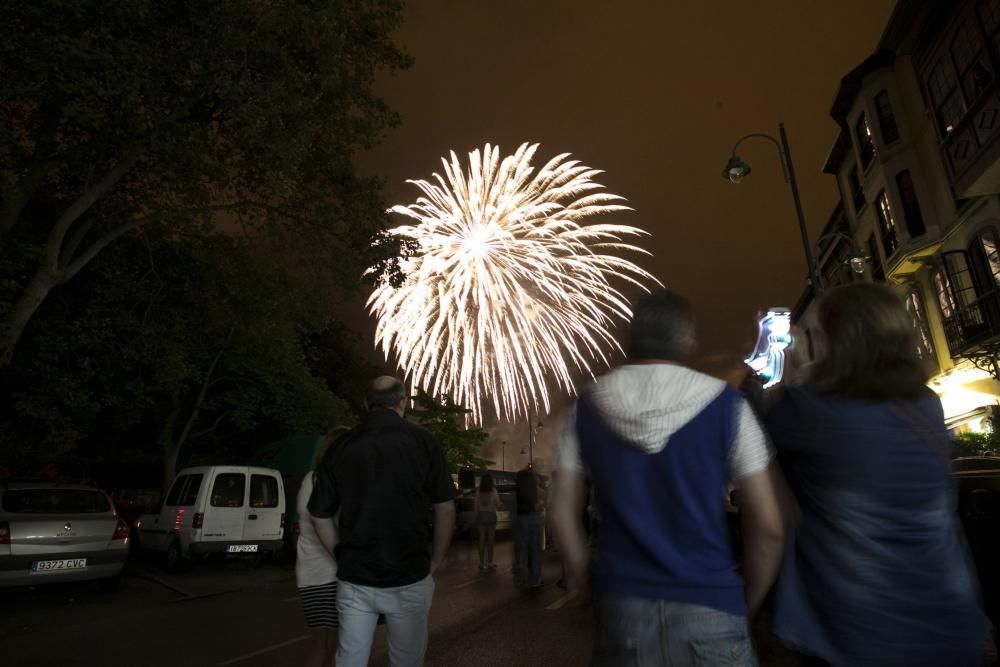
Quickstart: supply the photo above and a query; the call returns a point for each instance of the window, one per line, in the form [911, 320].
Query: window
[866, 147]
[911, 207]
[174, 497]
[946, 298]
[991, 251]
[263, 491]
[963, 287]
[191, 493]
[886, 120]
[948, 104]
[857, 193]
[887, 225]
[878, 274]
[970, 62]
[228, 490]
[989, 14]
[914, 304]
[55, 501]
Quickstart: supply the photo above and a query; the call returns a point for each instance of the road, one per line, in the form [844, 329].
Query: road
[228, 613]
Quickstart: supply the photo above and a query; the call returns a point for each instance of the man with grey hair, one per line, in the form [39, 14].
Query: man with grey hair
[661, 443]
[382, 482]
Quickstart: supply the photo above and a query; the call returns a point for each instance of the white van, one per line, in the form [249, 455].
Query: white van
[217, 510]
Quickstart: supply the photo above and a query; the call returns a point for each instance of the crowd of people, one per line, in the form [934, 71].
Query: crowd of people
[850, 538]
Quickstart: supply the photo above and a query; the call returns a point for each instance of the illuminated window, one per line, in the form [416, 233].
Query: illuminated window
[866, 147]
[887, 225]
[914, 304]
[911, 206]
[857, 193]
[886, 120]
[987, 252]
[946, 299]
[948, 104]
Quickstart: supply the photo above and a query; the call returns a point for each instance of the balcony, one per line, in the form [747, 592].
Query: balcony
[971, 151]
[974, 324]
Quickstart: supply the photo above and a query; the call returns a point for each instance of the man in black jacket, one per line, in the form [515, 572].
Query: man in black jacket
[384, 479]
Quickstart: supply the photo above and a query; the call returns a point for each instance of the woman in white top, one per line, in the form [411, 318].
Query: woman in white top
[316, 575]
[486, 505]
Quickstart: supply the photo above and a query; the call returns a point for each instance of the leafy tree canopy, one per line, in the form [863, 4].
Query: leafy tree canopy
[197, 115]
[446, 420]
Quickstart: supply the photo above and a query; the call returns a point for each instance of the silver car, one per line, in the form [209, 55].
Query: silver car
[52, 532]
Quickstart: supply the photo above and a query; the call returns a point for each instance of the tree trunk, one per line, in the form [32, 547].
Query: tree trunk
[24, 308]
[167, 445]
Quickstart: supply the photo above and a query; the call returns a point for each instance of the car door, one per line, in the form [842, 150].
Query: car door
[266, 506]
[225, 512]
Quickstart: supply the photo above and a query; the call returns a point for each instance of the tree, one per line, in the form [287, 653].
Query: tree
[446, 420]
[168, 352]
[192, 115]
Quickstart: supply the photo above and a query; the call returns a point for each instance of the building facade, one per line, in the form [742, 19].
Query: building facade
[917, 163]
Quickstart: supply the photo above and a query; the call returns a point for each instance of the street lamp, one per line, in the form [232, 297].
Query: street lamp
[857, 259]
[736, 169]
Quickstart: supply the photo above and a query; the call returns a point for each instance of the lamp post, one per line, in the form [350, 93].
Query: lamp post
[736, 169]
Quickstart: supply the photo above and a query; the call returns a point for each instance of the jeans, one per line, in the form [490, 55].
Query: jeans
[529, 528]
[635, 632]
[405, 609]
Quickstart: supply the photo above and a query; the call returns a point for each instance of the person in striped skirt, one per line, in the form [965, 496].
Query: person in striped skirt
[316, 574]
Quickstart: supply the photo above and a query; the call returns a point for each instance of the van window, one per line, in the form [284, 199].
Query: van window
[263, 491]
[229, 489]
[174, 497]
[191, 494]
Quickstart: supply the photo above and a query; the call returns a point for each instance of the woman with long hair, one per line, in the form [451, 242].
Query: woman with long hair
[486, 506]
[878, 573]
[316, 569]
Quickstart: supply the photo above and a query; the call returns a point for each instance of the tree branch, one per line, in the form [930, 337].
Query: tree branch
[75, 241]
[215, 425]
[54, 243]
[100, 244]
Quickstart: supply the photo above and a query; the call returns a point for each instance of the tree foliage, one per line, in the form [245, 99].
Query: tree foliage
[446, 420]
[167, 353]
[195, 115]
[986, 443]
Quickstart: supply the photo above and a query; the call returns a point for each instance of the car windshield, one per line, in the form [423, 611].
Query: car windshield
[55, 501]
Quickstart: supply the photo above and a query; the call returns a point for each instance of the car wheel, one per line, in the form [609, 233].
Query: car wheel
[109, 585]
[173, 560]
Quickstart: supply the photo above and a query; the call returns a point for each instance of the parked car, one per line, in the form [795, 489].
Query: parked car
[216, 510]
[53, 532]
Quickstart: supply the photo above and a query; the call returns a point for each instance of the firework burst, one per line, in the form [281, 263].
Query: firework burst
[507, 292]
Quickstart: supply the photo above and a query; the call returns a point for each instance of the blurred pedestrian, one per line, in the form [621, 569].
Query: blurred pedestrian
[316, 570]
[486, 505]
[661, 443]
[385, 479]
[529, 525]
[878, 573]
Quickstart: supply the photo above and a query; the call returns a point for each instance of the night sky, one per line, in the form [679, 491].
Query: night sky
[655, 94]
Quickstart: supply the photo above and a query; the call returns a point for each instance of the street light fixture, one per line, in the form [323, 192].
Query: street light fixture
[736, 169]
[858, 258]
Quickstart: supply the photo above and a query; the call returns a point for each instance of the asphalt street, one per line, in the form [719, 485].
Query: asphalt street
[229, 613]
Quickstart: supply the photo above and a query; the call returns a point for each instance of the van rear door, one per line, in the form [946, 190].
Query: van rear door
[225, 511]
[266, 507]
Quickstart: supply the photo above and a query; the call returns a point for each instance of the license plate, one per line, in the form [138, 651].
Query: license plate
[53, 565]
[242, 548]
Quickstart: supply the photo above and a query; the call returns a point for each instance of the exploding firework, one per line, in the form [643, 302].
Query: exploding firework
[507, 291]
